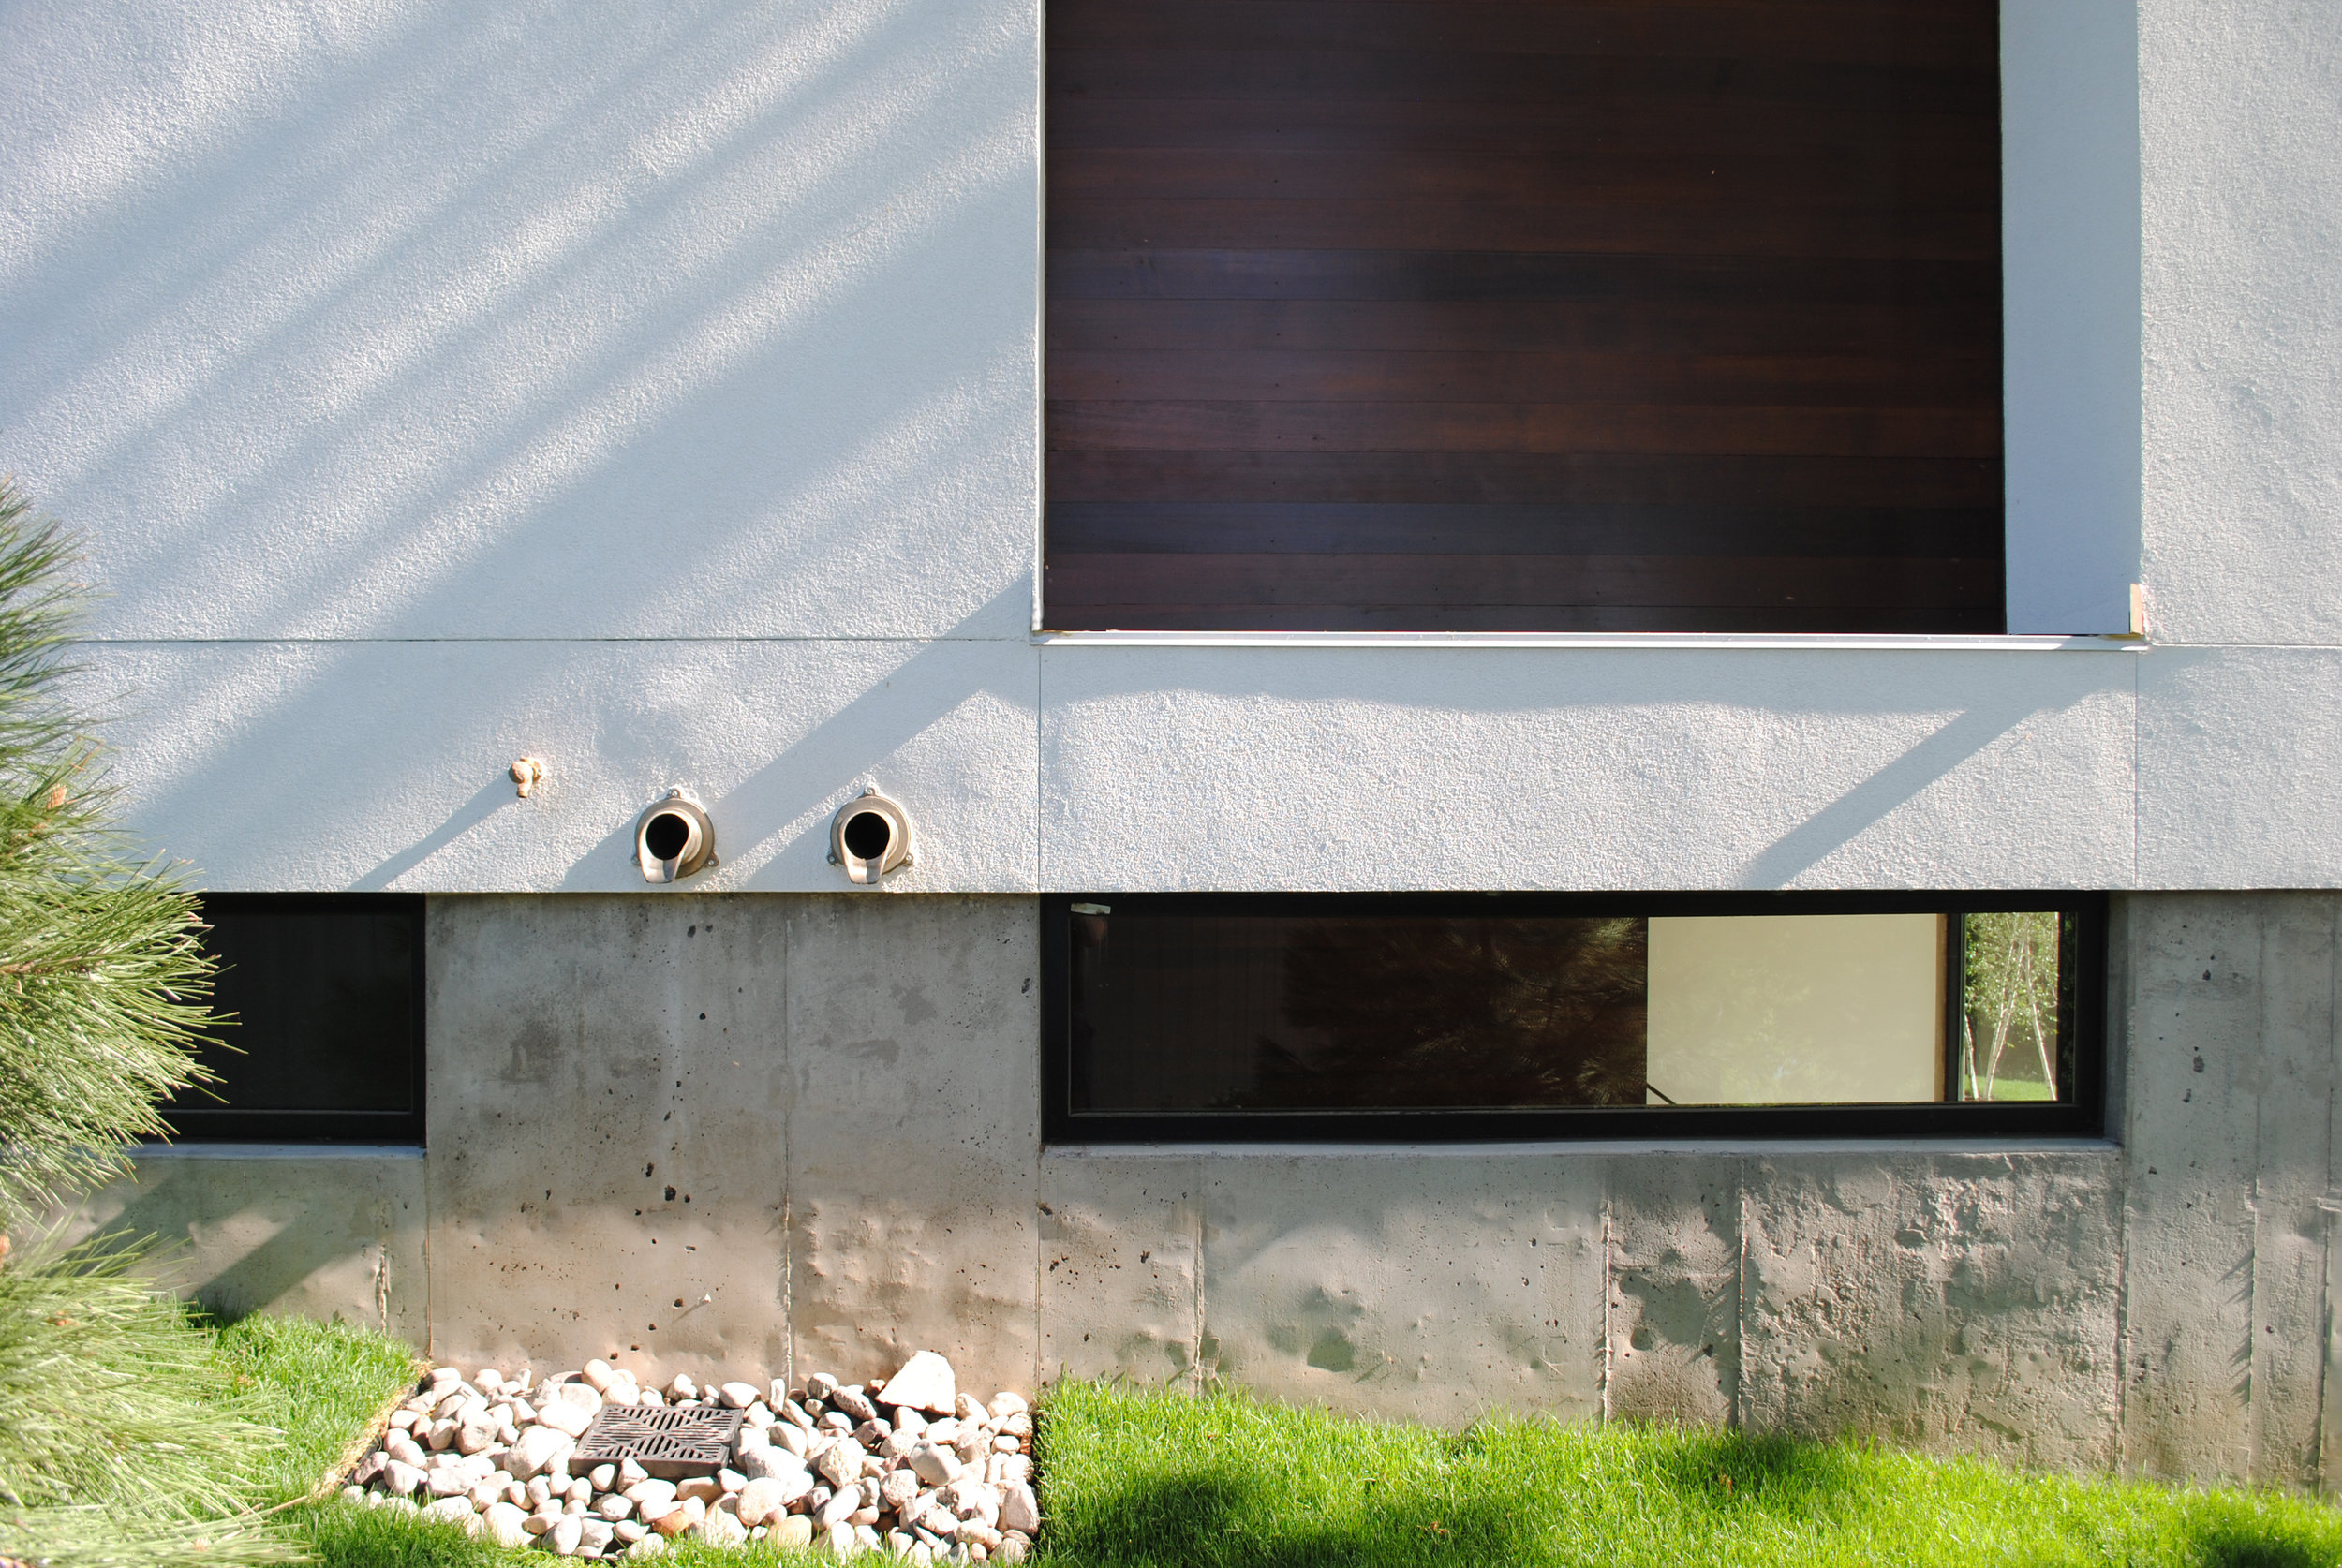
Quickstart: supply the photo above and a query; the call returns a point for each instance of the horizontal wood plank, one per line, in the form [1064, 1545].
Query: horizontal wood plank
[1272, 527]
[1521, 479]
[1862, 33]
[1280, 375]
[1868, 620]
[1590, 122]
[1666, 228]
[1242, 273]
[1855, 177]
[1076, 578]
[1294, 75]
[1661, 326]
[1552, 427]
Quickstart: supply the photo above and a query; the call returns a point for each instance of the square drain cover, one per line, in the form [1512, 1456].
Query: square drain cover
[670, 1443]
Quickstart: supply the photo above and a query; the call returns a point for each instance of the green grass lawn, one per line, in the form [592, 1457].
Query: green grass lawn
[1145, 1479]
[1134, 1478]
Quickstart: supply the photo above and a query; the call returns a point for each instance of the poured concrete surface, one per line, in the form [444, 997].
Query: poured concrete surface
[609, 1092]
[321, 1233]
[803, 1133]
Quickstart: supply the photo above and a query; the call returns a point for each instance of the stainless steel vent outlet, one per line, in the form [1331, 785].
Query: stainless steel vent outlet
[869, 836]
[675, 839]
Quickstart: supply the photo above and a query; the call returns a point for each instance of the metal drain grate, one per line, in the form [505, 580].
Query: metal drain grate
[670, 1443]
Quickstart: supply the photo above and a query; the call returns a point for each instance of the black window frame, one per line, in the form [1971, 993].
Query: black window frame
[2081, 1028]
[214, 1123]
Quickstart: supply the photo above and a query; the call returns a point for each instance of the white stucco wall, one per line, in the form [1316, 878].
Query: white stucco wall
[655, 389]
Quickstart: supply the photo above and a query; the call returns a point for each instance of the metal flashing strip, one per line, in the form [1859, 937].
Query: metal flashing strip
[1709, 641]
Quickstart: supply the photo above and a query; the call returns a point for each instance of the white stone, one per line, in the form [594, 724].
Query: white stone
[767, 1498]
[567, 1531]
[936, 1466]
[1020, 1510]
[594, 1537]
[538, 1449]
[449, 1508]
[567, 1417]
[602, 1477]
[629, 1531]
[847, 1503]
[504, 1525]
[839, 1541]
[926, 1383]
[476, 1433]
[597, 1375]
[840, 1463]
[794, 1533]
[651, 1495]
[778, 1463]
[1006, 1404]
[719, 1529]
[613, 1505]
[738, 1395]
[899, 1487]
[681, 1388]
[790, 1437]
[584, 1395]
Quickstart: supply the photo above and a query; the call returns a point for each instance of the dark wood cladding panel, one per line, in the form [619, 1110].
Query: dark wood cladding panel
[1560, 314]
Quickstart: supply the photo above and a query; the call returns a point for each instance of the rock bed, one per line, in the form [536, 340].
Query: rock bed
[909, 1466]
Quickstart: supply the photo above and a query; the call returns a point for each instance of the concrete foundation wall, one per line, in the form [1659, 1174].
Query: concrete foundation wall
[803, 1133]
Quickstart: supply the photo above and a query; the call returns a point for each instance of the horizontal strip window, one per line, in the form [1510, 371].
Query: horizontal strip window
[322, 1034]
[1275, 1018]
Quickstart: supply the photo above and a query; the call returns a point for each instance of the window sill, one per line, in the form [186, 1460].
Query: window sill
[1765, 1148]
[1711, 642]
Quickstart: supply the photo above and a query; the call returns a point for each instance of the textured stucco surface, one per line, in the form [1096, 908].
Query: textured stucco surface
[433, 319]
[1542, 768]
[2240, 257]
[2239, 753]
[655, 390]
[276, 773]
[852, 1135]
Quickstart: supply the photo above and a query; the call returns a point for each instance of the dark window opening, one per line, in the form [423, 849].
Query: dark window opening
[326, 1040]
[1366, 1016]
[1562, 316]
